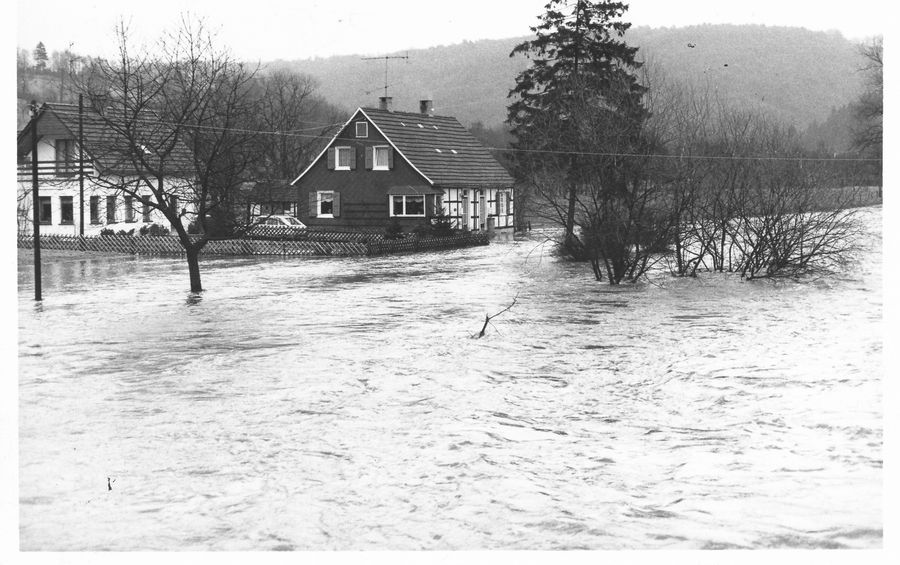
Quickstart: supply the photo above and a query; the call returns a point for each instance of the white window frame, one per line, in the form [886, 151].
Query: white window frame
[337, 158]
[319, 199]
[405, 196]
[365, 129]
[387, 158]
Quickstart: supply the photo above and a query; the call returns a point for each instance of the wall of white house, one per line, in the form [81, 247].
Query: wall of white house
[473, 209]
[58, 187]
[56, 190]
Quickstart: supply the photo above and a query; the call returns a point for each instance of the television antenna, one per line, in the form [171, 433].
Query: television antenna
[386, 59]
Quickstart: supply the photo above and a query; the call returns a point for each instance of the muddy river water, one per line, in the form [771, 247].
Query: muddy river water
[343, 404]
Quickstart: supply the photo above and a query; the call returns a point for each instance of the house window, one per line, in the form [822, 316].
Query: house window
[145, 208]
[66, 210]
[325, 207]
[45, 211]
[110, 209]
[65, 156]
[129, 209]
[382, 159]
[342, 158]
[362, 129]
[95, 209]
[407, 205]
[502, 203]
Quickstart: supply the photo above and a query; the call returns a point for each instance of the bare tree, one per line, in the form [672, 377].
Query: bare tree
[172, 129]
[298, 117]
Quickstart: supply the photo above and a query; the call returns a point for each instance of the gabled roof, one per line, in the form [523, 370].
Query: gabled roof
[437, 147]
[440, 148]
[108, 148]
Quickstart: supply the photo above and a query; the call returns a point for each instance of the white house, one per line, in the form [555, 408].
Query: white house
[64, 207]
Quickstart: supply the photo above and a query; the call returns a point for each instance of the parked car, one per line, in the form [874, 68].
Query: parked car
[279, 226]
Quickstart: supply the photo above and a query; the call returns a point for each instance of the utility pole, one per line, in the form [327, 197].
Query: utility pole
[35, 202]
[81, 164]
[386, 58]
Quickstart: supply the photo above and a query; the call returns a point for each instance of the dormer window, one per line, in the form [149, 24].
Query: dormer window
[362, 129]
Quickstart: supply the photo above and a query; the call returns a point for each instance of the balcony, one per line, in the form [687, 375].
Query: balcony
[53, 171]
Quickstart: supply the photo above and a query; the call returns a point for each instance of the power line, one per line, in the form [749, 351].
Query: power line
[551, 151]
[673, 156]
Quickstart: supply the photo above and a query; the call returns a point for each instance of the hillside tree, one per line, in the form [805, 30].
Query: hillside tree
[869, 109]
[40, 56]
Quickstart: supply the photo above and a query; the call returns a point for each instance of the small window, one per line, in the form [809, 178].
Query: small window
[382, 159]
[129, 209]
[408, 205]
[145, 209]
[110, 209]
[66, 210]
[342, 158]
[65, 156]
[325, 204]
[45, 211]
[95, 209]
[362, 129]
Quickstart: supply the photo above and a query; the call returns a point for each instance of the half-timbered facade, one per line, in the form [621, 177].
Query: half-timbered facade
[384, 165]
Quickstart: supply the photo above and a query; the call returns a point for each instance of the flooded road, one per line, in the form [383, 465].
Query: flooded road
[342, 404]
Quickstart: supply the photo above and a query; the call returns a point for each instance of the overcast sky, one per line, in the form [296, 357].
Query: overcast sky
[297, 29]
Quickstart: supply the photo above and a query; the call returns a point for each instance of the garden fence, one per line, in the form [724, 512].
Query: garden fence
[316, 245]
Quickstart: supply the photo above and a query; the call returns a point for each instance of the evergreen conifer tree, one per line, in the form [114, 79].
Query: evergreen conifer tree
[582, 74]
[40, 56]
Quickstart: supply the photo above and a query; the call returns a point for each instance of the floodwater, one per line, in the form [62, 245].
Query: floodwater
[342, 403]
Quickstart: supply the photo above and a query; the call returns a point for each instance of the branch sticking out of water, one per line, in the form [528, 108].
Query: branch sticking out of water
[488, 318]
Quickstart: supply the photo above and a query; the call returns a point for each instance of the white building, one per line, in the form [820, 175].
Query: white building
[65, 207]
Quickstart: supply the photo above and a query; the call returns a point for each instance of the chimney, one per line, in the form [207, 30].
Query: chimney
[426, 107]
[385, 103]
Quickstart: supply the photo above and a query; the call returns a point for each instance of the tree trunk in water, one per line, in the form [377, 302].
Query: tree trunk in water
[193, 260]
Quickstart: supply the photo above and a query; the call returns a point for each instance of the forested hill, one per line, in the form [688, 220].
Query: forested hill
[796, 74]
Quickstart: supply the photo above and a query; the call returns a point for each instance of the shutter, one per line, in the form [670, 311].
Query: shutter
[352, 158]
[331, 158]
[390, 157]
[313, 204]
[337, 204]
[370, 158]
[431, 209]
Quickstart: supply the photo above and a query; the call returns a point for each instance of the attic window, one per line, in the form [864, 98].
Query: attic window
[402, 124]
[453, 151]
[421, 126]
[438, 150]
[362, 129]
[435, 127]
